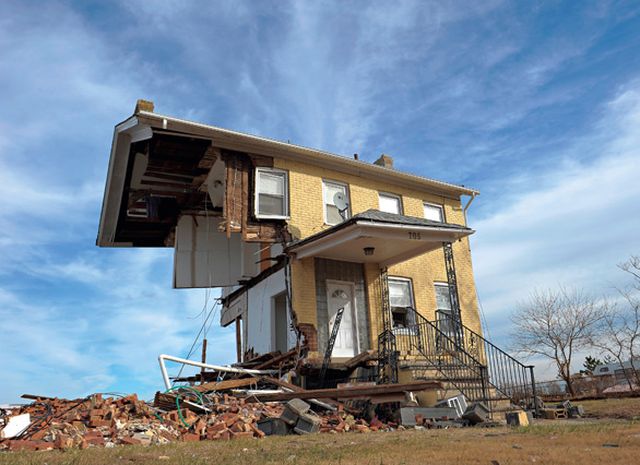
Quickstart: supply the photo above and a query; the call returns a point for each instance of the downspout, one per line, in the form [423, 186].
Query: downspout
[466, 207]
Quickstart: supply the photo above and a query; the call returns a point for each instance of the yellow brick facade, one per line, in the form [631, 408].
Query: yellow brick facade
[307, 218]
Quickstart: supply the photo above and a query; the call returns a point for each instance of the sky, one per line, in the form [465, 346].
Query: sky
[536, 104]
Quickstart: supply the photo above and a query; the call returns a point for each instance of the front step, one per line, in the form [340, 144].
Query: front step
[497, 403]
[463, 360]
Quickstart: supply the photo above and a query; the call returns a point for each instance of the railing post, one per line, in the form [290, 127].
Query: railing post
[533, 391]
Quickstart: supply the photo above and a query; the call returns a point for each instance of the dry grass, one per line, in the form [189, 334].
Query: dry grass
[561, 443]
[548, 442]
[624, 408]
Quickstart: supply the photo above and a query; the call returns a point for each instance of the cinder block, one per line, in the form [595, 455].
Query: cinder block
[517, 418]
[273, 426]
[307, 424]
[476, 413]
[292, 410]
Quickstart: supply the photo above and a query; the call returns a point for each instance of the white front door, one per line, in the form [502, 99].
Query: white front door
[340, 294]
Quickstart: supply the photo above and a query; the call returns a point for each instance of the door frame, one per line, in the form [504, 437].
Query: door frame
[354, 305]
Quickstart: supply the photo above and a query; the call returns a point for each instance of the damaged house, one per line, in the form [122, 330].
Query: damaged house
[363, 271]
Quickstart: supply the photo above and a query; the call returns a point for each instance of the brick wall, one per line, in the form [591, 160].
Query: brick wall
[307, 218]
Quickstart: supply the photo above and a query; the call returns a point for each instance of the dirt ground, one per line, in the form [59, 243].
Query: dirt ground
[584, 441]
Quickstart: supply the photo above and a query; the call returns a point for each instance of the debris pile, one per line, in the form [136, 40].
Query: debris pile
[182, 415]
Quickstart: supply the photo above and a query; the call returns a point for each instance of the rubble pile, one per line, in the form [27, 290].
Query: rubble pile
[98, 421]
[93, 421]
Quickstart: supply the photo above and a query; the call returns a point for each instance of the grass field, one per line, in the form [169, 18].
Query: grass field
[560, 442]
[625, 408]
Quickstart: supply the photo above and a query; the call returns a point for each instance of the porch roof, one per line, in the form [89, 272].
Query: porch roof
[394, 238]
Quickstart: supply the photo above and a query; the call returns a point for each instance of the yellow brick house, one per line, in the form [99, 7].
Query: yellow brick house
[353, 264]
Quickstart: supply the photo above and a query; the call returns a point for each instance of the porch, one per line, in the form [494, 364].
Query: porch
[408, 345]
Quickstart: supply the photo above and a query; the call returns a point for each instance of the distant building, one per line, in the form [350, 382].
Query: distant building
[617, 370]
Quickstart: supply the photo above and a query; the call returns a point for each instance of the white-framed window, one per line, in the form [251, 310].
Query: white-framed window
[272, 193]
[444, 314]
[401, 301]
[390, 203]
[433, 212]
[332, 214]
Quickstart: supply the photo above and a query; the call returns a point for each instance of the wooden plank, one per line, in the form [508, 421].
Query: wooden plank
[278, 359]
[347, 393]
[34, 397]
[238, 341]
[226, 385]
[294, 388]
[360, 359]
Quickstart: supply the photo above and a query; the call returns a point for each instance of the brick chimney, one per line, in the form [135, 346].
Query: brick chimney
[144, 105]
[385, 161]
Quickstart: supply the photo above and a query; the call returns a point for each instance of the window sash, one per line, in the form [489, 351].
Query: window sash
[433, 212]
[443, 299]
[271, 193]
[390, 203]
[400, 299]
[331, 212]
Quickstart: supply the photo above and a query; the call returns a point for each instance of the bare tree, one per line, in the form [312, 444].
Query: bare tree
[631, 316]
[555, 325]
[612, 336]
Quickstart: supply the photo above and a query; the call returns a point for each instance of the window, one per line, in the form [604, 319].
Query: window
[331, 211]
[390, 203]
[444, 315]
[433, 212]
[271, 193]
[400, 299]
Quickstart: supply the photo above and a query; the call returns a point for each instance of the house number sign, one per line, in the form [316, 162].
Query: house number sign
[414, 236]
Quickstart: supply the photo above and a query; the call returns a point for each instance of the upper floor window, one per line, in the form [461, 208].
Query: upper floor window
[390, 203]
[400, 301]
[335, 210]
[272, 193]
[444, 315]
[433, 212]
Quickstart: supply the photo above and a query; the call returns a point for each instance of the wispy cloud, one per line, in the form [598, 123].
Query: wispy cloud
[569, 224]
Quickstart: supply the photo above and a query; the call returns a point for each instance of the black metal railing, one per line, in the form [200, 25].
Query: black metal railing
[476, 367]
[423, 346]
[507, 375]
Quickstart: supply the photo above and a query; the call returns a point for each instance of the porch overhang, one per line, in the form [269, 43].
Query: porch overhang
[387, 238]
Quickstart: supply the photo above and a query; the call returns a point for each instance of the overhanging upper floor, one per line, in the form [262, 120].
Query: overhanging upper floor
[162, 167]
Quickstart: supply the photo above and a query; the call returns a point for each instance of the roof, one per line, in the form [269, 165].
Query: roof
[149, 127]
[374, 216]
[236, 138]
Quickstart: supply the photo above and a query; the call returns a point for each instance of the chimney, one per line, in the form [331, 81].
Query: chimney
[385, 161]
[143, 105]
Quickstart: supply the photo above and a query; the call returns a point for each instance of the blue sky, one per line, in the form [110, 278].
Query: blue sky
[537, 104]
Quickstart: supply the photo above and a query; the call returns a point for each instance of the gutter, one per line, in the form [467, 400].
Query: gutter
[234, 140]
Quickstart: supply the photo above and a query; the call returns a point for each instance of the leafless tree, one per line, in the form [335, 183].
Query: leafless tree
[631, 315]
[613, 336]
[556, 324]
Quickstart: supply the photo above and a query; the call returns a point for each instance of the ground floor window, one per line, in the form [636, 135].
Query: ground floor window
[444, 315]
[401, 302]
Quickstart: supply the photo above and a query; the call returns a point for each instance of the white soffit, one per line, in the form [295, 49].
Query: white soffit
[392, 243]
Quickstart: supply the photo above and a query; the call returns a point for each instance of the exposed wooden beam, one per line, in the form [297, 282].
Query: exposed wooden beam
[349, 392]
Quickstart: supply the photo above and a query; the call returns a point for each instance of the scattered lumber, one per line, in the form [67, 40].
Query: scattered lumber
[276, 360]
[365, 358]
[294, 388]
[226, 385]
[349, 392]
